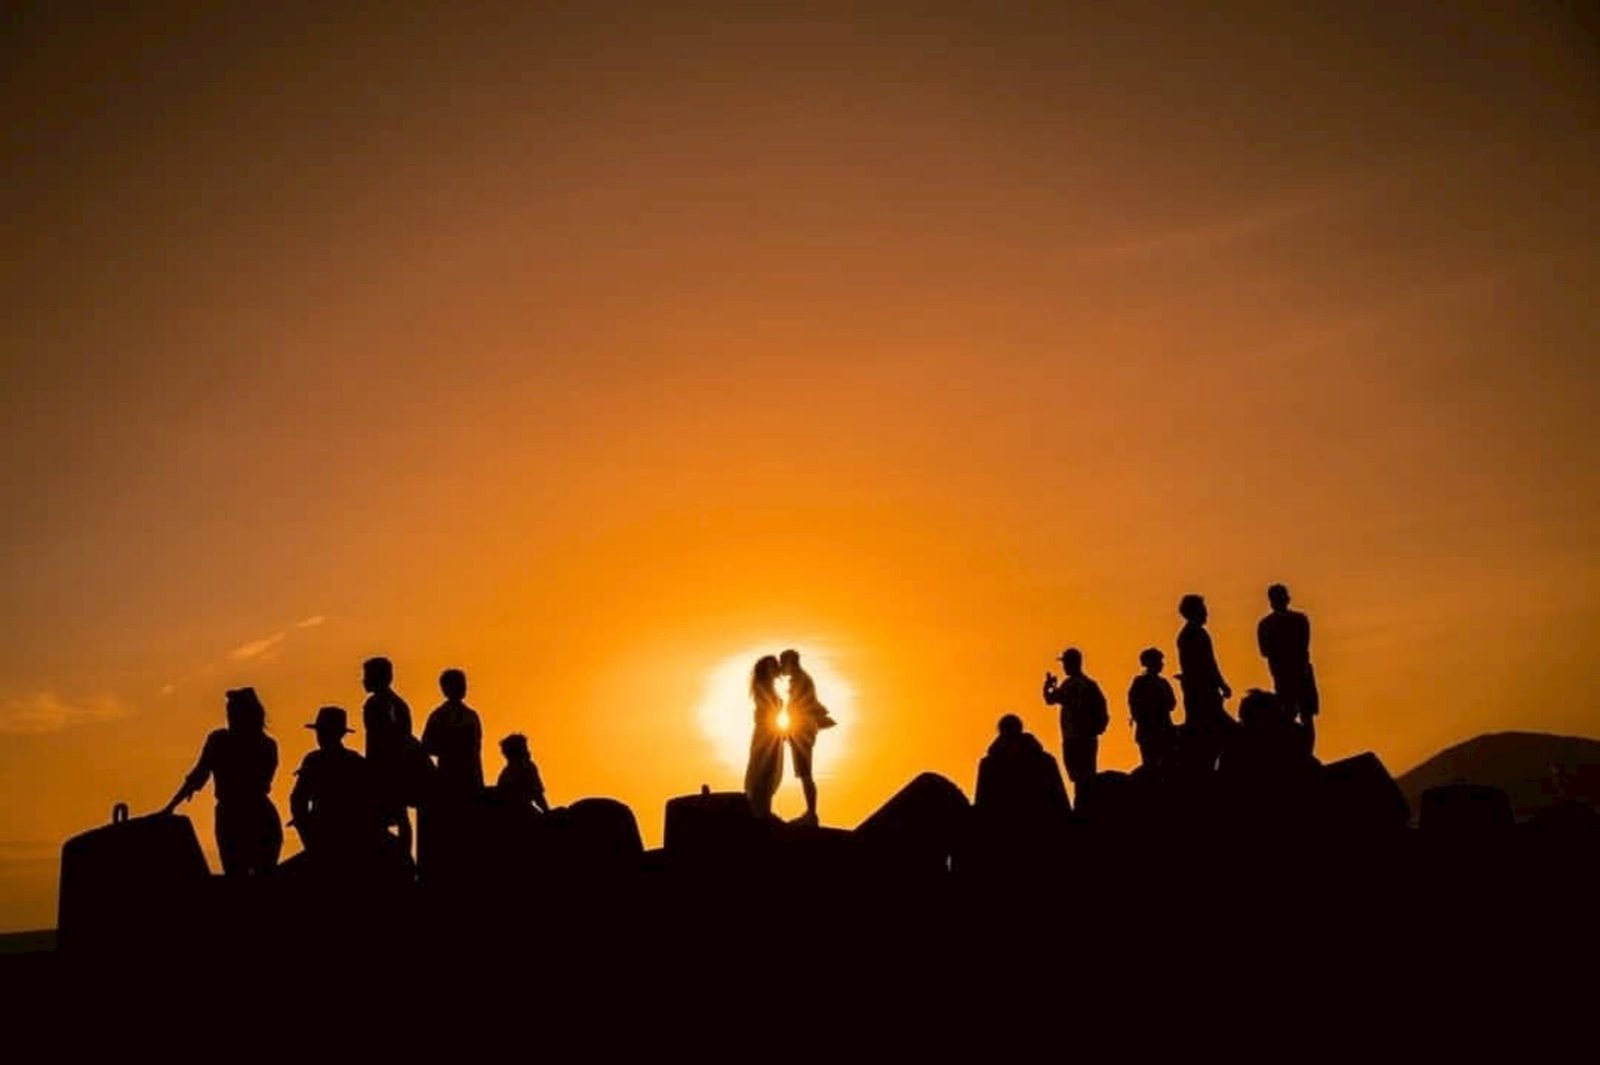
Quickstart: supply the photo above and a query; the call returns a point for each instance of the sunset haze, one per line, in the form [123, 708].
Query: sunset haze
[583, 347]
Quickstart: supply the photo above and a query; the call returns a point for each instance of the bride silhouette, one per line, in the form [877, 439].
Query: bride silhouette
[765, 770]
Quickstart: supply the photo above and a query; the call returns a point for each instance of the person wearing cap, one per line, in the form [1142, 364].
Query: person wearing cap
[1084, 716]
[1284, 639]
[333, 805]
[242, 759]
[1150, 705]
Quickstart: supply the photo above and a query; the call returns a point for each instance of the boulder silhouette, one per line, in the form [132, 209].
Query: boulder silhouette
[1465, 810]
[595, 837]
[1535, 769]
[136, 882]
[1357, 795]
[712, 829]
[919, 828]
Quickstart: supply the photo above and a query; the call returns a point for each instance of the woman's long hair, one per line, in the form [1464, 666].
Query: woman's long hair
[763, 679]
[245, 713]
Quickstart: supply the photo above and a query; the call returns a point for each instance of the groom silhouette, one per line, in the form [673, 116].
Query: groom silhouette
[807, 717]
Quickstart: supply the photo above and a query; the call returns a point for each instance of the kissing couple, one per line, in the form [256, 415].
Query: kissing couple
[795, 722]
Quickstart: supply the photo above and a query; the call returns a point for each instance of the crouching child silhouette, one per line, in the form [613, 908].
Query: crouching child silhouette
[520, 783]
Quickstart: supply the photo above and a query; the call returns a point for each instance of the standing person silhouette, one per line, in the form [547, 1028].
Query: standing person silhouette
[764, 771]
[1150, 704]
[391, 746]
[453, 736]
[1206, 724]
[1084, 716]
[242, 759]
[807, 717]
[1284, 638]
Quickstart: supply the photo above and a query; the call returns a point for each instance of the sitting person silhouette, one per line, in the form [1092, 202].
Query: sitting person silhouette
[1268, 744]
[807, 717]
[520, 783]
[1019, 783]
[242, 759]
[1084, 716]
[1284, 639]
[1150, 705]
[336, 809]
[764, 771]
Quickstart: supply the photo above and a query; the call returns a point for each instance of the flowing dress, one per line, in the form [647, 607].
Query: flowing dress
[764, 772]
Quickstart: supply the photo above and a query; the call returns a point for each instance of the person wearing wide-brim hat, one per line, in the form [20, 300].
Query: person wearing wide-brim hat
[332, 801]
[332, 720]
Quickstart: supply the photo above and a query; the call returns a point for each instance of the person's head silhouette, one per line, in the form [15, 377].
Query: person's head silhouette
[1152, 659]
[1258, 709]
[1072, 661]
[1278, 596]
[788, 662]
[764, 675]
[1193, 608]
[515, 748]
[453, 683]
[377, 674]
[245, 712]
[1011, 726]
[332, 726]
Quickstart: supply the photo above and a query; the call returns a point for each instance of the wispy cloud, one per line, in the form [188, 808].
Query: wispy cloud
[266, 647]
[47, 711]
[311, 622]
[169, 687]
[1257, 219]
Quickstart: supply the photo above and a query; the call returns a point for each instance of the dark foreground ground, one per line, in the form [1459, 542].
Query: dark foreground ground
[1244, 947]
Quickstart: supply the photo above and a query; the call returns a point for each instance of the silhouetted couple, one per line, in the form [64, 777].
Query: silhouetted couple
[778, 723]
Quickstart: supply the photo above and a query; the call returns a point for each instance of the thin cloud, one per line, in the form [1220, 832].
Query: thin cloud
[311, 622]
[1266, 217]
[264, 647]
[169, 688]
[47, 711]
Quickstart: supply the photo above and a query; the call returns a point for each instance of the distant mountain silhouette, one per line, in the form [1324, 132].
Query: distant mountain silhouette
[1525, 764]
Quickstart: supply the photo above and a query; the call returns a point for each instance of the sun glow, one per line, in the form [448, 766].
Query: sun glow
[725, 716]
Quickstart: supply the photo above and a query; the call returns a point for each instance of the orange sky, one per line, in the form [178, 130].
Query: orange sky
[580, 350]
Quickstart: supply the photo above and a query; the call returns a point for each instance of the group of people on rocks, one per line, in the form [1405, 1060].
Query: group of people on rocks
[1289, 712]
[349, 806]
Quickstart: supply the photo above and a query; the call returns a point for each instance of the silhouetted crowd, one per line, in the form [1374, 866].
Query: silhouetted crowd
[349, 808]
[1276, 724]
[355, 809]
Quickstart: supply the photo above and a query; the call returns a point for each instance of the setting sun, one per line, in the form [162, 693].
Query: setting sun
[724, 713]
